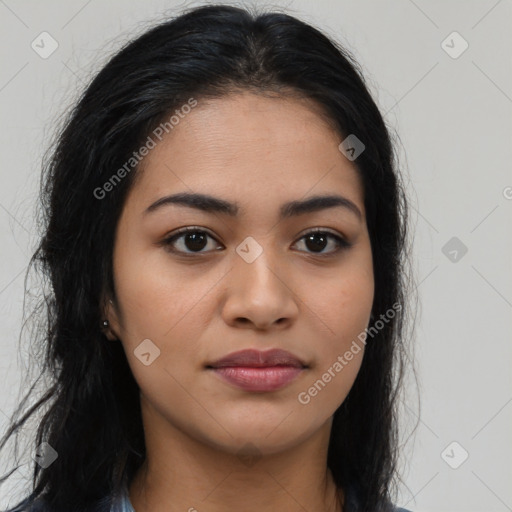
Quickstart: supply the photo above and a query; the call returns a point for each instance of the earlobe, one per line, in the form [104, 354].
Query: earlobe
[109, 322]
[108, 331]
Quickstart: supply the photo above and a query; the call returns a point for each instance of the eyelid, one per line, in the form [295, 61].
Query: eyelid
[321, 230]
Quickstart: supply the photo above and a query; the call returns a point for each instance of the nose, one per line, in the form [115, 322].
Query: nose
[260, 295]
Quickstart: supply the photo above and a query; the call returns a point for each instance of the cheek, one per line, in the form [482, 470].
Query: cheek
[163, 305]
[155, 296]
[342, 309]
[345, 312]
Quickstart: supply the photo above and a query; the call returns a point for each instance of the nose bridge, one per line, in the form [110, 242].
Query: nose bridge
[260, 290]
[257, 264]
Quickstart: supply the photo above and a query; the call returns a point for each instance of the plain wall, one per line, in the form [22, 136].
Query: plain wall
[454, 119]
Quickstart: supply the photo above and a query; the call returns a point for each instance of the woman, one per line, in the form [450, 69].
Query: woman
[225, 239]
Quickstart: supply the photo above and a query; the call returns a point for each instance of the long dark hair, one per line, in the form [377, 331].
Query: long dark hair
[91, 408]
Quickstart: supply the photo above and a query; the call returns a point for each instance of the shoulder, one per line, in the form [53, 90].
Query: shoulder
[29, 505]
[26, 506]
[40, 505]
[353, 500]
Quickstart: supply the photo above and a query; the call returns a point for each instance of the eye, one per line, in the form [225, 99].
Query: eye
[317, 239]
[194, 239]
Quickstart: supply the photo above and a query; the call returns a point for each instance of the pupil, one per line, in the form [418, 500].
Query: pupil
[314, 237]
[195, 241]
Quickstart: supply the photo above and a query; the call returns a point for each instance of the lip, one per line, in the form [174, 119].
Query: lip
[259, 359]
[259, 371]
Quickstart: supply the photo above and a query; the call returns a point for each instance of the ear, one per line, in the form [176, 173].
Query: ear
[110, 314]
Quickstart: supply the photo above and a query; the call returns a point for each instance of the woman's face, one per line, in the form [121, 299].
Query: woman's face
[247, 278]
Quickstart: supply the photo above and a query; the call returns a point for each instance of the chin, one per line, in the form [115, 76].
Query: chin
[247, 440]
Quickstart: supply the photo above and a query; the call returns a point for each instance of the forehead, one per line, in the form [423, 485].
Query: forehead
[252, 148]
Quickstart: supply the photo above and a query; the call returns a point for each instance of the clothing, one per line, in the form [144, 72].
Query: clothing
[124, 505]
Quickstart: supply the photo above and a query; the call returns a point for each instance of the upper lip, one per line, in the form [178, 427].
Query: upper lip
[259, 359]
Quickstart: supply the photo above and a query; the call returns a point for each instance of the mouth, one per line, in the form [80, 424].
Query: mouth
[257, 371]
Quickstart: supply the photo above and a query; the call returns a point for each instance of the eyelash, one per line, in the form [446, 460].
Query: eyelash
[341, 243]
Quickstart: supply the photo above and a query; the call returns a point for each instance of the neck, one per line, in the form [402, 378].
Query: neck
[184, 474]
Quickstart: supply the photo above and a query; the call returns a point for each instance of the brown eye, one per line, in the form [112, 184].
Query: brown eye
[317, 240]
[191, 240]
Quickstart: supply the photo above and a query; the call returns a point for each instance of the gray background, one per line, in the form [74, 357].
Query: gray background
[454, 118]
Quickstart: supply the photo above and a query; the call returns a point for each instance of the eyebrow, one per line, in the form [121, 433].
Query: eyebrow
[212, 204]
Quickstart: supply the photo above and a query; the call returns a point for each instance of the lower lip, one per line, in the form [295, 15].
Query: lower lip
[269, 378]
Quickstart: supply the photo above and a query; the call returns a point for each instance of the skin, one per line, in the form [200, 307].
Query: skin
[258, 152]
